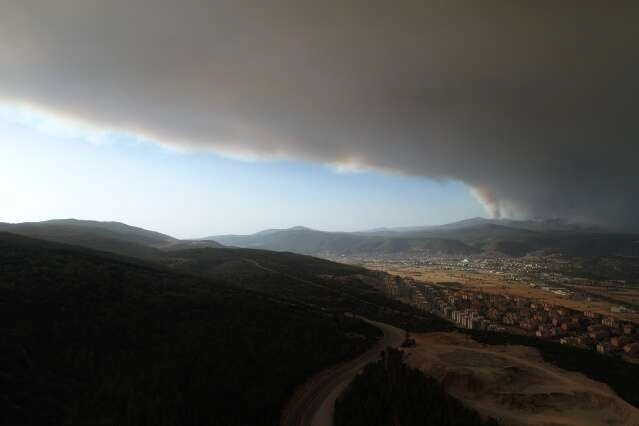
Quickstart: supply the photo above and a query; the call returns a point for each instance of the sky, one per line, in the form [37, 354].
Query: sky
[55, 169]
[529, 107]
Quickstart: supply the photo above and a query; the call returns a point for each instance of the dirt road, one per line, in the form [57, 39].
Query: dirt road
[313, 403]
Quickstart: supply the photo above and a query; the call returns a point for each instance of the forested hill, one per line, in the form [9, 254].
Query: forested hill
[305, 280]
[89, 338]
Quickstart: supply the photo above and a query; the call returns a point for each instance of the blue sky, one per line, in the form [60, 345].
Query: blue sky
[55, 169]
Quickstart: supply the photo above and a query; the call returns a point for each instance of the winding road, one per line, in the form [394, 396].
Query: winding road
[313, 403]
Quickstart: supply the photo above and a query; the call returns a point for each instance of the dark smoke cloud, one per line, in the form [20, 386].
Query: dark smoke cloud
[532, 103]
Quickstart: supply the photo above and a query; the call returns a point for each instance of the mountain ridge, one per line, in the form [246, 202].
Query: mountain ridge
[467, 237]
[475, 235]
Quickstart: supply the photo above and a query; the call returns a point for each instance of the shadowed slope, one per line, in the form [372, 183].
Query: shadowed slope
[89, 338]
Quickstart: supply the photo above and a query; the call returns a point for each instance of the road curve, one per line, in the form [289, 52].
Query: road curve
[314, 402]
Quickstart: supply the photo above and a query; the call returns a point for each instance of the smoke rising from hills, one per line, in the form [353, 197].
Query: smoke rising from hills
[532, 104]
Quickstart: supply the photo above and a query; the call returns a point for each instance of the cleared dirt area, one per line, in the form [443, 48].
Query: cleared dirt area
[514, 385]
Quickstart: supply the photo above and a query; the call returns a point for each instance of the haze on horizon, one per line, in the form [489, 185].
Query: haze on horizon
[530, 106]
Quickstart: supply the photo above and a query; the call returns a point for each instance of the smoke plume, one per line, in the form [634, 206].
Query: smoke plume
[533, 104]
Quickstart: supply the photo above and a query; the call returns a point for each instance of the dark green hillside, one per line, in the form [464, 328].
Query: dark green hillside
[399, 244]
[306, 281]
[210, 259]
[88, 338]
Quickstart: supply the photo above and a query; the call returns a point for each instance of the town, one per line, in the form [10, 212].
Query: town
[476, 310]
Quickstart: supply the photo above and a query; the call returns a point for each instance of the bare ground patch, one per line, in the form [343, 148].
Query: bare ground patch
[514, 384]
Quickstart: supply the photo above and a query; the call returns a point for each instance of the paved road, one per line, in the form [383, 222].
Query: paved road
[314, 402]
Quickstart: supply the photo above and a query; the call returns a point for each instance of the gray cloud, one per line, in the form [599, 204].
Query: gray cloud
[534, 104]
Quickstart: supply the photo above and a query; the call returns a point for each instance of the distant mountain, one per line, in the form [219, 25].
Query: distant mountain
[408, 229]
[476, 235]
[297, 239]
[533, 225]
[467, 237]
[309, 241]
[112, 237]
[543, 225]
